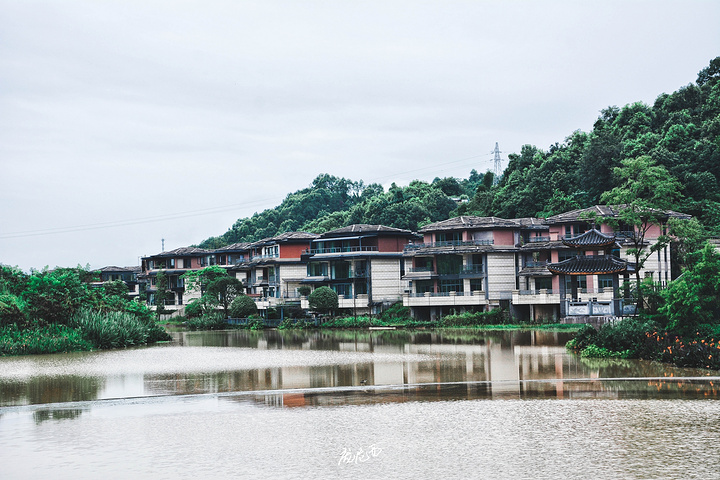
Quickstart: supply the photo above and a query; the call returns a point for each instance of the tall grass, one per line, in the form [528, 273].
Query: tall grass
[50, 339]
[210, 321]
[115, 329]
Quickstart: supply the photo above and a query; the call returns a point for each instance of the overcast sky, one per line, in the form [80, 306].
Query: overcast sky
[126, 122]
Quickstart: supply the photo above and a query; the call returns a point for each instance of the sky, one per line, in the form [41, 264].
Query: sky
[123, 123]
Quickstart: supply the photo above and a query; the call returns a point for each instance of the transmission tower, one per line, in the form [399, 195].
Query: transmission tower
[498, 164]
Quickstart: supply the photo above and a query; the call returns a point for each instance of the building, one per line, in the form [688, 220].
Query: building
[128, 275]
[526, 265]
[362, 263]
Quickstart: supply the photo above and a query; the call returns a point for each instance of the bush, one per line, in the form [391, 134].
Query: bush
[34, 341]
[211, 321]
[304, 290]
[323, 299]
[111, 329]
[242, 307]
[469, 319]
[195, 309]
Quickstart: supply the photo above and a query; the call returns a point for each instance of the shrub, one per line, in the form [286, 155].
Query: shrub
[242, 307]
[50, 339]
[323, 299]
[211, 321]
[304, 290]
[195, 309]
[111, 329]
[468, 319]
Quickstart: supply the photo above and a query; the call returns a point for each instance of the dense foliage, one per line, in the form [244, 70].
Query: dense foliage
[62, 310]
[323, 299]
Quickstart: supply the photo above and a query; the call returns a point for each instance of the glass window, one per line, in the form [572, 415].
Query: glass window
[605, 281]
[451, 286]
[543, 282]
[449, 264]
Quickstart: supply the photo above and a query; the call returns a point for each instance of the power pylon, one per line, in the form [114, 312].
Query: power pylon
[498, 164]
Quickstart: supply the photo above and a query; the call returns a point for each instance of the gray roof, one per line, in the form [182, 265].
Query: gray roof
[363, 228]
[589, 265]
[235, 247]
[470, 222]
[586, 214]
[183, 252]
[286, 237]
[590, 239]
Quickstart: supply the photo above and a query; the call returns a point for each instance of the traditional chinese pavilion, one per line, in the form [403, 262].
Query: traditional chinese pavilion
[594, 259]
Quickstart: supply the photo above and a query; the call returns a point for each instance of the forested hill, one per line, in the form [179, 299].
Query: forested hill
[679, 132]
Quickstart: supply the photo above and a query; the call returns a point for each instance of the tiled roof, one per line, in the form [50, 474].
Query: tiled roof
[590, 239]
[113, 268]
[240, 246]
[286, 237]
[183, 252]
[360, 228]
[470, 222]
[589, 265]
[585, 214]
[531, 222]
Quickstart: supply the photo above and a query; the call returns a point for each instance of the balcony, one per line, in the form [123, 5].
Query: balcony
[533, 297]
[442, 299]
[453, 243]
[315, 251]
[537, 239]
[472, 271]
[264, 257]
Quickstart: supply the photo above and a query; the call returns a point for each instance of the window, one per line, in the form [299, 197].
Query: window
[581, 282]
[187, 263]
[476, 284]
[424, 286]
[448, 237]
[317, 269]
[447, 286]
[171, 263]
[341, 270]
[605, 281]
[566, 254]
[361, 288]
[543, 282]
[343, 289]
[449, 264]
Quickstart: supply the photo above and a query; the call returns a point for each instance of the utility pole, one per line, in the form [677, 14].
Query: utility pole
[163, 240]
[498, 164]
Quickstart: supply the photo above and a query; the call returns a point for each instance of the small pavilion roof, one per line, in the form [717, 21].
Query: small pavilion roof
[589, 240]
[589, 265]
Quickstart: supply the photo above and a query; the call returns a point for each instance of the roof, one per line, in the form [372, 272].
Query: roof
[235, 247]
[586, 214]
[470, 222]
[113, 268]
[363, 228]
[589, 265]
[183, 252]
[590, 239]
[531, 222]
[286, 237]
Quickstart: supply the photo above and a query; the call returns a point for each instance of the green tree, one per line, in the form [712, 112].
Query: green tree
[644, 194]
[162, 294]
[323, 299]
[222, 291]
[694, 298]
[242, 307]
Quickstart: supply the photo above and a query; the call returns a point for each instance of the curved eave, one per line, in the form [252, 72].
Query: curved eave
[595, 265]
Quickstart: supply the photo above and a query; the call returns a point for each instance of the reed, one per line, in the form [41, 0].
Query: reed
[48, 339]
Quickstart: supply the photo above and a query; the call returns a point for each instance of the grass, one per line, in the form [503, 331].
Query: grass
[50, 339]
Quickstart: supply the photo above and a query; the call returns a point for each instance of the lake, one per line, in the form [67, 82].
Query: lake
[349, 404]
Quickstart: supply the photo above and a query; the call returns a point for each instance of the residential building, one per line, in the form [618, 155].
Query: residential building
[128, 275]
[174, 264]
[479, 263]
[362, 263]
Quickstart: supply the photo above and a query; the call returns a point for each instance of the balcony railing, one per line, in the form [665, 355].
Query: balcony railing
[446, 294]
[262, 257]
[314, 251]
[453, 243]
[625, 234]
[419, 270]
[536, 292]
[471, 269]
[538, 239]
[535, 264]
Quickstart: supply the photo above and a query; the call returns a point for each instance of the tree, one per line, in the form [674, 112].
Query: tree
[694, 298]
[161, 294]
[242, 307]
[222, 291]
[216, 286]
[644, 194]
[323, 299]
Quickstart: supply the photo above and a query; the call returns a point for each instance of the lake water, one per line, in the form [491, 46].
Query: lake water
[355, 404]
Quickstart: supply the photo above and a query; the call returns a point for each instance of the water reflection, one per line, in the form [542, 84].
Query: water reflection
[462, 364]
